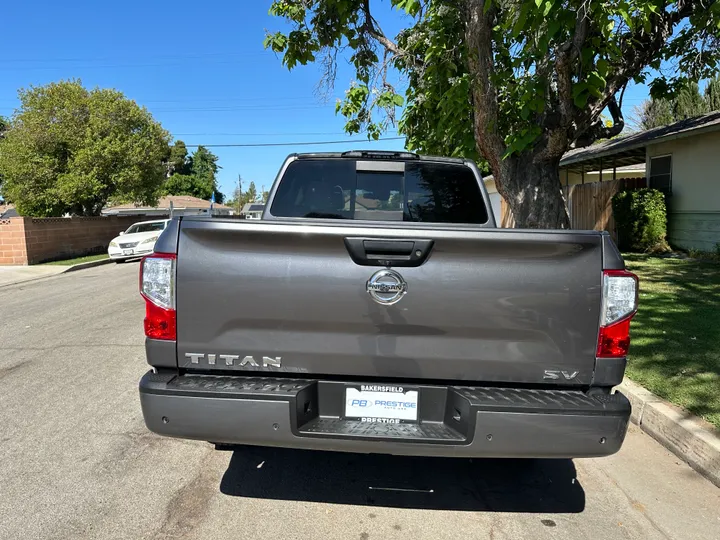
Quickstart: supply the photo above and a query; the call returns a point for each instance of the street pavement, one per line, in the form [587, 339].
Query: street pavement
[10, 275]
[76, 460]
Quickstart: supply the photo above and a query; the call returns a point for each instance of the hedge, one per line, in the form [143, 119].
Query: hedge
[641, 220]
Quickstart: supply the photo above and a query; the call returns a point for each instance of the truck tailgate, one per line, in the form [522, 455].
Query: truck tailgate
[485, 306]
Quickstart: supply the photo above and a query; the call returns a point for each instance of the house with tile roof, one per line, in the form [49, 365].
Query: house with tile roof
[175, 205]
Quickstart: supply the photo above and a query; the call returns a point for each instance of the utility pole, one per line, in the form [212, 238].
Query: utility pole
[239, 194]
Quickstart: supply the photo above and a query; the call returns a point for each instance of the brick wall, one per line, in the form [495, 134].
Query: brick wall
[33, 240]
[12, 241]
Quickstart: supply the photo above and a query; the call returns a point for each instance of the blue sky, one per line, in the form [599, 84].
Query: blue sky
[200, 68]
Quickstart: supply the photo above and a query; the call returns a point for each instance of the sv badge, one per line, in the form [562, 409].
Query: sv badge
[552, 374]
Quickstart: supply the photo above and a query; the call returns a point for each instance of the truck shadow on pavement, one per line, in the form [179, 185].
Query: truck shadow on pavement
[494, 485]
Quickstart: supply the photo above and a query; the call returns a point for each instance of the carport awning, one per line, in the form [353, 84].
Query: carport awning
[630, 150]
[595, 163]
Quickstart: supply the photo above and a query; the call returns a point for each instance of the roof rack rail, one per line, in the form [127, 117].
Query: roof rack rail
[380, 154]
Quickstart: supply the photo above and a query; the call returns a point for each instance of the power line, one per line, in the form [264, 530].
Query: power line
[132, 65]
[210, 101]
[258, 134]
[239, 108]
[243, 108]
[146, 56]
[303, 143]
[120, 62]
[248, 100]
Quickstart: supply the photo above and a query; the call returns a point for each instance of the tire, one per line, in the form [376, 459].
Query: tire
[119, 261]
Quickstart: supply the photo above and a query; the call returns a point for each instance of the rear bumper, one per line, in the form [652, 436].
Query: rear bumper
[455, 421]
[116, 253]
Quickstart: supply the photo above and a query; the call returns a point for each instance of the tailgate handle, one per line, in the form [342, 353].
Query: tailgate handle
[388, 247]
[388, 251]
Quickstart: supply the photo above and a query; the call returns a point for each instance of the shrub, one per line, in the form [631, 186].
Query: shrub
[641, 220]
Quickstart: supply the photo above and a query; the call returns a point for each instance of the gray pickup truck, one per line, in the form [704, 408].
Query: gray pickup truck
[376, 308]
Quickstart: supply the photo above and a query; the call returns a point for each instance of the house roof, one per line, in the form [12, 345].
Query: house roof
[252, 207]
[179, 202]
[8, 211]
[631, 149]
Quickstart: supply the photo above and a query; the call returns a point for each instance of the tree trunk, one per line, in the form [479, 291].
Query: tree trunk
[532, 189]
[529, 181]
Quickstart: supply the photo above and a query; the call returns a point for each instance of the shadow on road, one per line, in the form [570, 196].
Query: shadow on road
[543, 486]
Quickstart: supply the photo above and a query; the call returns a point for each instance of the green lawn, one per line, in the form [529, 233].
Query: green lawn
[78, 260]
[675, 350]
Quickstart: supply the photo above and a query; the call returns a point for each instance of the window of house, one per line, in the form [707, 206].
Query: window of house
[661, 174]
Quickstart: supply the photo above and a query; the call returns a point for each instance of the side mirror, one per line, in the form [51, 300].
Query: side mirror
[122, 232]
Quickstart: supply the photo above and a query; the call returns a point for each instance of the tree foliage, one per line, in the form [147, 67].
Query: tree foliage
[194, 175]
[251, 194]
[186, 184]
[240, 198]
[4, 126]
[69, 150]
[655, 113]
[516, 82]
[712, 94]
[203, 166]
[179, 161]
[687, 103]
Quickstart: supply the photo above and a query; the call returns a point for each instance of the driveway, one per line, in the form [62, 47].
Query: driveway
[77, 462]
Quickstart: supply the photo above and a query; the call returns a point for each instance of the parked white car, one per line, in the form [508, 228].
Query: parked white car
[138, 240]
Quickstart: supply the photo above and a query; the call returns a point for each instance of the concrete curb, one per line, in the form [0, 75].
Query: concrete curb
[28, 280]
[89, 264]
[81, 266]
[687, 436]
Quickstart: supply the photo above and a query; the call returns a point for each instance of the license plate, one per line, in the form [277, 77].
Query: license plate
[127, 251]
[381, 403]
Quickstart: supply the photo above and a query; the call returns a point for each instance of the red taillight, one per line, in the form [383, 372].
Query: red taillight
[159, 322]
[619, 305]
[614, 340]
[157, 286]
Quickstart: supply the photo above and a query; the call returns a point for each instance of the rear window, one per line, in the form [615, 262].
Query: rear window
[424, 192]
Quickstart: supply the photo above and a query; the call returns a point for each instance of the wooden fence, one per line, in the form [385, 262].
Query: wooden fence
[507, 221]
[590, 205]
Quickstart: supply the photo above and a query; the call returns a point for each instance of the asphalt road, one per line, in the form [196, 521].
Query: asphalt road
[77, 462]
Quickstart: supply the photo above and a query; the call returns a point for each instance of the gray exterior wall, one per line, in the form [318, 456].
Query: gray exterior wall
[694, 210]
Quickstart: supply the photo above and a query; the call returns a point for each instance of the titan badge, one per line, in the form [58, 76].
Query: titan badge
[247, 362]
